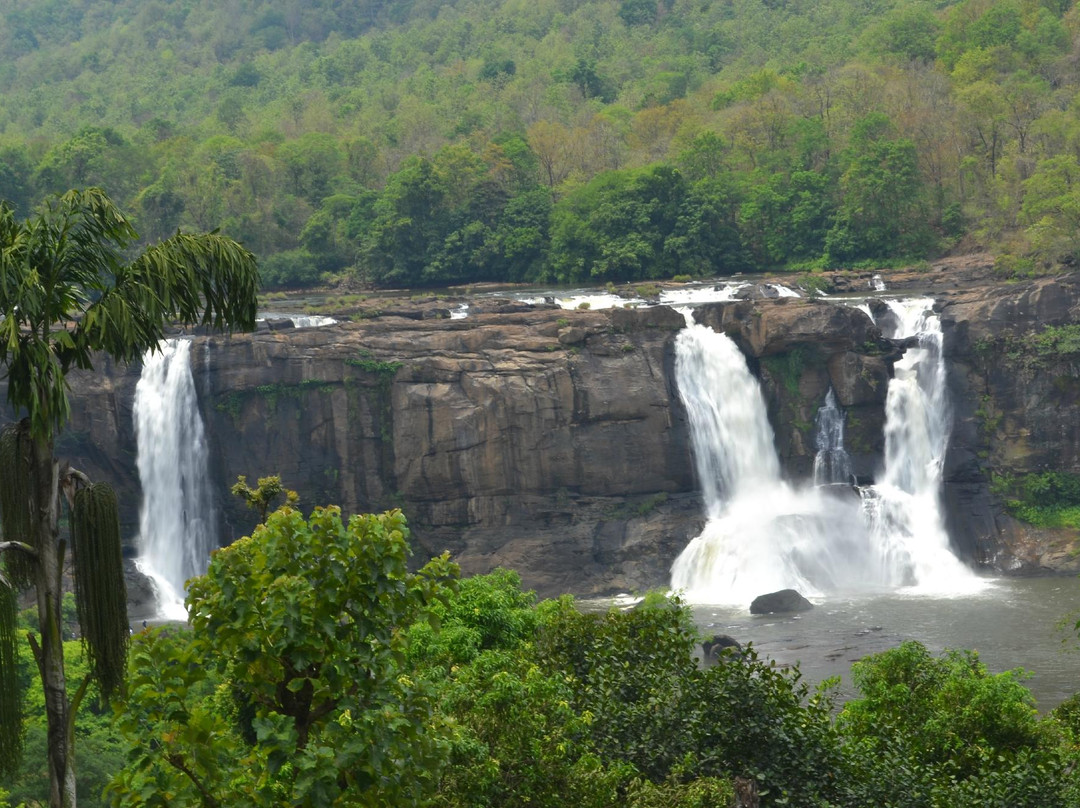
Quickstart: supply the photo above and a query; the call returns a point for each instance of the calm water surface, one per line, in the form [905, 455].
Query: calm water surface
[1013, 623]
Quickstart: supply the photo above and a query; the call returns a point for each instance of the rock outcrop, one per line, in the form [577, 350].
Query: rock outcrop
[547, 441]
[1014, 373]
[786, 601]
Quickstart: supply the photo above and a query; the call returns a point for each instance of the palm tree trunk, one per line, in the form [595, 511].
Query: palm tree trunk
[50, 652]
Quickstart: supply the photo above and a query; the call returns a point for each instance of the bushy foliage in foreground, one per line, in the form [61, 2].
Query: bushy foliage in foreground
[319, 671]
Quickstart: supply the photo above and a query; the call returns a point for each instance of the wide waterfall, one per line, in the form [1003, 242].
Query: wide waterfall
[765, 534]
[176, 520]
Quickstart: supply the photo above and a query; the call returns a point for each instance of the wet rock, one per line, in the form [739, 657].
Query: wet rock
[275, 324]
[784, 602]
[714, 646]
[766, 327]
[141, 592]
[758, 291]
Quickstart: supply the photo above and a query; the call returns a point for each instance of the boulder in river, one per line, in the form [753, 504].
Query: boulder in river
[786, 600]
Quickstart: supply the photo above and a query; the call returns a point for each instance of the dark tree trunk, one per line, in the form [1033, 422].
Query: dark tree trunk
[50, 651]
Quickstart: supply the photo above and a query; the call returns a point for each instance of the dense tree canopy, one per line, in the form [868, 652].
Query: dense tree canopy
[472, 693]
[410, 143]
[301, 623]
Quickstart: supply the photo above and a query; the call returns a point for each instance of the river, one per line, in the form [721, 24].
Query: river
[1012, 623]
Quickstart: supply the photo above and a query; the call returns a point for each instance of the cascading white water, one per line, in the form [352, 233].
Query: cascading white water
[733, 447]
[903, 506]
[763, 534]
[176, 519]
[831, 463]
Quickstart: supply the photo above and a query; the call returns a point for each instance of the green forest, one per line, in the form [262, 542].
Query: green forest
[562, 141]
[319, 671]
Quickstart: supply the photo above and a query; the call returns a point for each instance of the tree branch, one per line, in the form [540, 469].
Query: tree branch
[78, 475]
[69, 477]
[75, 702]
[18, 545]
[177, 762]
[36, 649]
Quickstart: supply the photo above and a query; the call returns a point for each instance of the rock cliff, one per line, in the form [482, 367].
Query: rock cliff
[554, 442]
[1014, 373]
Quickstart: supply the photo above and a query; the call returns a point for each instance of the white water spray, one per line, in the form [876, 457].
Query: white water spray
[763, 534]
[176, 532]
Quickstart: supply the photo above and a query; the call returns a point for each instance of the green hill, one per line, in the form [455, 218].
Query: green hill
[422, 143]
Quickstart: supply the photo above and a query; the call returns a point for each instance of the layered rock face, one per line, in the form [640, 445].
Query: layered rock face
[547, 441]
[554, 442]
[1014, 370]
[550, 444]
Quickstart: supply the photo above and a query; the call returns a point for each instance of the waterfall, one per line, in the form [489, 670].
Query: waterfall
[763, 534]
[904, 506]
[831, 463]
[176, 519]
[733, 446]
[311, 320]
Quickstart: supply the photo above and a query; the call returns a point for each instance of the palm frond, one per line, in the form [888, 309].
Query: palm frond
[11, 704]
[100, 592]
[16, 500]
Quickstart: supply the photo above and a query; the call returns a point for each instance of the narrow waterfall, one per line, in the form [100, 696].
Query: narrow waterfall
[904, 506]
[764, 534]
[831, 463]
[176, 519]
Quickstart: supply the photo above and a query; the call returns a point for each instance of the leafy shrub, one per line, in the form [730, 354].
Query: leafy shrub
[652, 707]
[944, 731]
[487, 612]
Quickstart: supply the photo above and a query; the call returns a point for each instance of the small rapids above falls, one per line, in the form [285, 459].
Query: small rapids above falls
[765, 534]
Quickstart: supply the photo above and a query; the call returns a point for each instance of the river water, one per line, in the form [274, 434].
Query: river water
[1012, 623]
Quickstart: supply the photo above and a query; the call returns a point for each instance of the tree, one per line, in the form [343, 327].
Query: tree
[1051, 207]
[262, 496]
[67, 292]
[299, 634]
[615, 227]
[943, 730]
[882, 213]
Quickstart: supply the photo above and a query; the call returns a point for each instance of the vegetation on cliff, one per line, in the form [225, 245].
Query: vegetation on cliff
[566, 140]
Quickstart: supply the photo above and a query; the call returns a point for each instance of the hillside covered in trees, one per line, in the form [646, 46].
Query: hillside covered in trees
[424, 143]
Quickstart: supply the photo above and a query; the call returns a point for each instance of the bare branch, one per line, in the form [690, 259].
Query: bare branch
[18, 545]
[78, 475]
[69, 477]
[36, 649]
[76, 701]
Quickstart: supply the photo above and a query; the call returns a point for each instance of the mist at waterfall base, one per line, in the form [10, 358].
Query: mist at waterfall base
[764, 533]
[176, 519]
